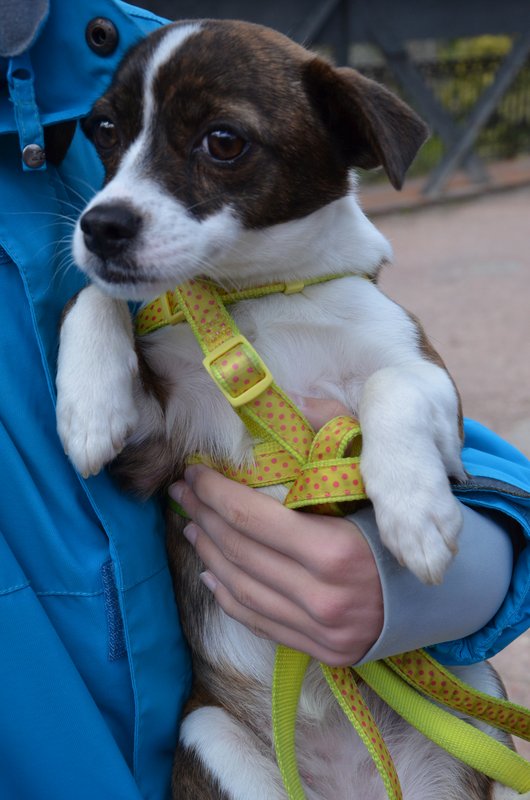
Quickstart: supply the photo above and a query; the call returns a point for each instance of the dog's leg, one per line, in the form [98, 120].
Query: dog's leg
[411, 444]
[97, 367]
[499, 792]
[231, 756]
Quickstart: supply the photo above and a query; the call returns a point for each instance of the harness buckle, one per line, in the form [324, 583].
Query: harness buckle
[238, 371]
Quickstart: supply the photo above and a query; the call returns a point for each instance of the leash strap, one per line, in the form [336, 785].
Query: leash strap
[328, 478]
[342, 683]
[457, 737]
[421, 671]
[289, 669]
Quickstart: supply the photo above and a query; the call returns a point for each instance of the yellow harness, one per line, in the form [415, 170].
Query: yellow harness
[322, 472]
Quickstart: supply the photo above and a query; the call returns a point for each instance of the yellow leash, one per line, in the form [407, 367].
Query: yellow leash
[459, 738]
[322, 471]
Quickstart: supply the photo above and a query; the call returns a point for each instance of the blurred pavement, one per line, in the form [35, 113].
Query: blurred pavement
[464, 268]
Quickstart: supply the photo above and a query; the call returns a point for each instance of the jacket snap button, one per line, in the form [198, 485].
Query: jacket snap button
[33, 156]
[102, 36]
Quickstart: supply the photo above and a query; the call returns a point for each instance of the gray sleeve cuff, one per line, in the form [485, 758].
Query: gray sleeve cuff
[474, 587]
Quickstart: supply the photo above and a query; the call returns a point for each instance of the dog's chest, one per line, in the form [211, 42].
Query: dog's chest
[324, 342]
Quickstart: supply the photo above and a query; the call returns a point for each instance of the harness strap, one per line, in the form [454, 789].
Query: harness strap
[240, 373]
[166, 310]
[327, 478]
[313, 464]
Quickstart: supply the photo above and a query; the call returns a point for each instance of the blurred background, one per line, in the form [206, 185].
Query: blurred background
[463, 65]
[460, 228]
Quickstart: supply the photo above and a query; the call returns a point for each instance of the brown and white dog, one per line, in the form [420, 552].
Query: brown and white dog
[228, 152]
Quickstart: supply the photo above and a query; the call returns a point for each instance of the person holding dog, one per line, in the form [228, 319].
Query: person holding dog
[95, 671]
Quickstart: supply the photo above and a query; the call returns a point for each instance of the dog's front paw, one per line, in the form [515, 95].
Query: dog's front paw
[423, 534]
[96, 373]
[419, 520]
[94, 425]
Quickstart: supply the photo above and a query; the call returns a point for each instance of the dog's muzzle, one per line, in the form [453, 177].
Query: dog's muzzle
[110, 228]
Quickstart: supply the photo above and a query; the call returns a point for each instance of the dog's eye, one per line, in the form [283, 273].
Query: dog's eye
[223, 145]
[105, 134]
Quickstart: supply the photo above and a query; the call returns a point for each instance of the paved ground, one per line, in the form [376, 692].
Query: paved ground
[464, 269]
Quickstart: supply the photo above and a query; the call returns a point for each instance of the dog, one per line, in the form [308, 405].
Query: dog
[229, 153]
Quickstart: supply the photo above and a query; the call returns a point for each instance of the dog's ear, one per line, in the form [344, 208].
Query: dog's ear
[371, 126]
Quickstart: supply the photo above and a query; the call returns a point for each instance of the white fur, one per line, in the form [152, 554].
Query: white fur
[231, 755]
[342, 339]
[96, 408]
[333, 763]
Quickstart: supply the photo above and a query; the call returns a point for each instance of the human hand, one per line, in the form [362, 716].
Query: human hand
[307, 581]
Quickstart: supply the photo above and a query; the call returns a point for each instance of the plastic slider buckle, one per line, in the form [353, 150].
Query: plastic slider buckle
[170, 317]
[252, 392]
[294, 287]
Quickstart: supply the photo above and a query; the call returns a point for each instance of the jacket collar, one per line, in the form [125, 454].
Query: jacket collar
[69, 76]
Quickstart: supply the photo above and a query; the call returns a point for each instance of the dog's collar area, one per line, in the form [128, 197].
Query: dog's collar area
[166, 308]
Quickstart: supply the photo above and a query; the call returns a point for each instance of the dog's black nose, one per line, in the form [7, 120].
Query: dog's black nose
[109, 228]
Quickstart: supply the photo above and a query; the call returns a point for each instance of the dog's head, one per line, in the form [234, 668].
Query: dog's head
[214, 132]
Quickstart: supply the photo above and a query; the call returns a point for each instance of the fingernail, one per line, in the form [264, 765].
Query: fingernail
[209, 580]
[175, 491]
[190, 471]
[190, 533]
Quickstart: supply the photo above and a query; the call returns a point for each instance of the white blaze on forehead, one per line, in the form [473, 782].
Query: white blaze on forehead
[174, 38]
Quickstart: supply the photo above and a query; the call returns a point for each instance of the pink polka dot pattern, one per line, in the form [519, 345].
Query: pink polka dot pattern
[239, 368]
[199, 300]
[328, 477]
[332, 486]
[166, 309]
[431, 678]
[270, 468]
[343, 685]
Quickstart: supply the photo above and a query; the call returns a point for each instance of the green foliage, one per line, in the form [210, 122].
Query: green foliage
[477, 47]
[464, 68]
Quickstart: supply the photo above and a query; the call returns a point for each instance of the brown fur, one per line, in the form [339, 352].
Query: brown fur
[191, 781]
[306, 125]
[433, 355]
[281, 99]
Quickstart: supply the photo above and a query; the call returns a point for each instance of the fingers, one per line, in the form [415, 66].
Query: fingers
[223, 507]
[318, 643]
[309, 582]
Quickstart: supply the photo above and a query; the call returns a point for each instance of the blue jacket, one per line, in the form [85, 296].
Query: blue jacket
[500, 482]
[93, 668]
[94, 671]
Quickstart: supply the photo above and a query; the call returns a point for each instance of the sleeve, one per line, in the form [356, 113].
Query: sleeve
[498, 484]
[416, 614]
